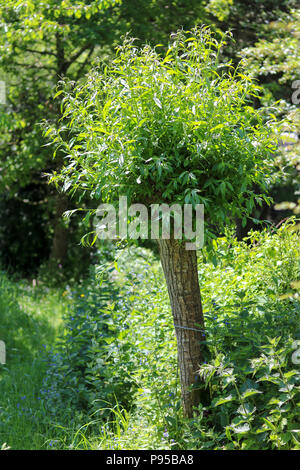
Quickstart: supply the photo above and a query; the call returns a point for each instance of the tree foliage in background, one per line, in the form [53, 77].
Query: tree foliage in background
[40, 44]
[267, 35]
[247, 22]
[274, 60]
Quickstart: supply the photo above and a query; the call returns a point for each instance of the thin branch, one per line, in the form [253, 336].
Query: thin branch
[78, 54]
[32, 66]
[41, 52]
[32, 203]
[84, 63]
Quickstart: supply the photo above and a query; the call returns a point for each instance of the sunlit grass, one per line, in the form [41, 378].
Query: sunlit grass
[36, 319]
[123, 431]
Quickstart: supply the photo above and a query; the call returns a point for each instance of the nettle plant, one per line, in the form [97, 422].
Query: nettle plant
[176, 128]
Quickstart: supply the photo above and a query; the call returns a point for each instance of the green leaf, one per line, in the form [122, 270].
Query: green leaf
[157, 102]
[221, 401]
[241, 429]
[250, 392]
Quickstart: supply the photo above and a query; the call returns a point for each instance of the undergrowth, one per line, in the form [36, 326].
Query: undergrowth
[110, 380]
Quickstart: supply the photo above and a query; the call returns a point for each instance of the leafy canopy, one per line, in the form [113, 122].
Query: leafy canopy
[278, 52]
[40, 42]
[26, 21]
[175, 128]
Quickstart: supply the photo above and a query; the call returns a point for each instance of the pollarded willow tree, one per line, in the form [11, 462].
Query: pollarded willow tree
[172, 128]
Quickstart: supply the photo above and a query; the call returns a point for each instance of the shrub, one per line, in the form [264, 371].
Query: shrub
[251, 380]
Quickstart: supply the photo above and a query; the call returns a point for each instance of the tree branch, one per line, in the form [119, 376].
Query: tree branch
[32, 66]
[84, 63]
[78, 54]
[41, 52]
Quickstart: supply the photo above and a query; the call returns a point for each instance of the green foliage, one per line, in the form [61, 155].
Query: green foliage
[30, 320]
[257, 407]
[14, 323]
[247, 24]
[111, 335]
[18, 330]
[152, 22]
[251, 379]
[274, 60]
[43, 42]
[40, 42]
[173, 126]
[219, 8]
[176, 127]
[276, 54]
[82, 372]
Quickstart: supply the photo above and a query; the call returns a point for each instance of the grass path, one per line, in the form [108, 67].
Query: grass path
[22, 424]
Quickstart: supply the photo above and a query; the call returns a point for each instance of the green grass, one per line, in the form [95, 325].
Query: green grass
[37, 321]
[31, 319]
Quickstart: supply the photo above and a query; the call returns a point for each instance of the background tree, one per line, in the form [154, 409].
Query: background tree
[169, 128]
[152, 22]
[274, 61]
[40, 44]
[267, 28]
[248, 25]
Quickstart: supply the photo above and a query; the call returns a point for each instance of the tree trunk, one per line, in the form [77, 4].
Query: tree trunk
[181, 273]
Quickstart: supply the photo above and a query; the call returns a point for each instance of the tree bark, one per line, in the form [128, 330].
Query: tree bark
[181, 273]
